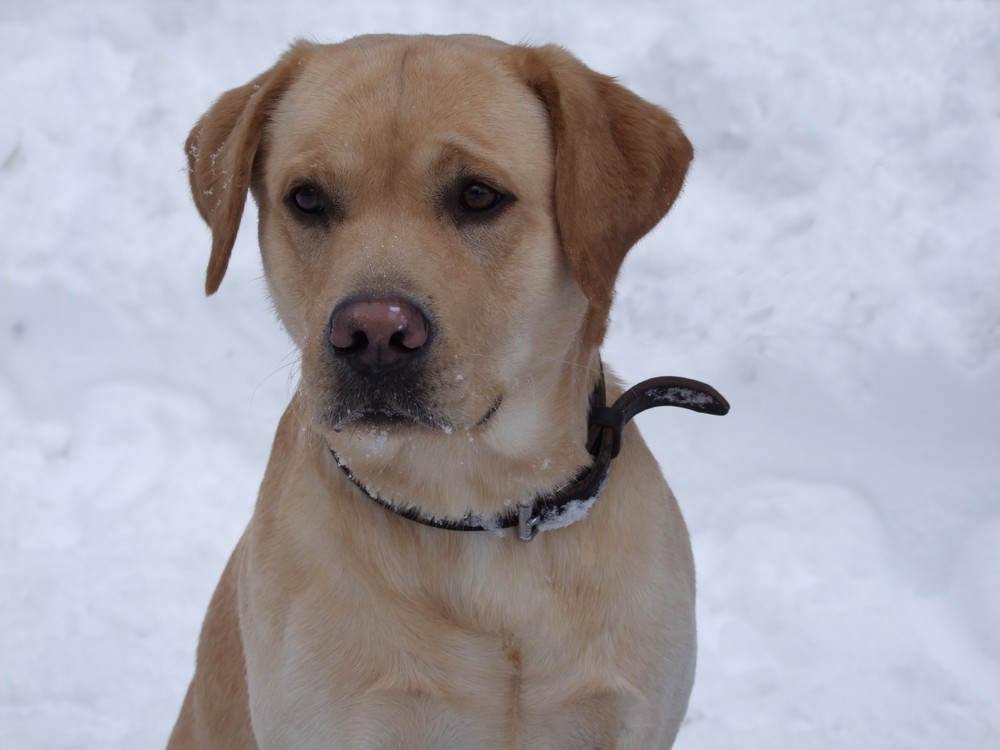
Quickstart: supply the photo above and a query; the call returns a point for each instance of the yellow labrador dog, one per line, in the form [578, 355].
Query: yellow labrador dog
[458, 543]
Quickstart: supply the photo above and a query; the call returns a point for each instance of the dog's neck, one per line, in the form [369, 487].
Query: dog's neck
[560, 507]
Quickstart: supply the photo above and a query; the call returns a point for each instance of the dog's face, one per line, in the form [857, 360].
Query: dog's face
[441, 222]
[408, 236]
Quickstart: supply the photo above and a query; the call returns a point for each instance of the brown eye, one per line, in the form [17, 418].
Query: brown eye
[307, 199]
[479, 197]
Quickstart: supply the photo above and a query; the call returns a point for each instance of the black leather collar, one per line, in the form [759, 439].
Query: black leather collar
[604, 437]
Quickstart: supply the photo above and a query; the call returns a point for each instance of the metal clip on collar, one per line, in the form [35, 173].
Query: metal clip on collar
[527, 522]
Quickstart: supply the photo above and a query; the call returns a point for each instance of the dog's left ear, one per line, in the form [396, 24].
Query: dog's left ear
[620, 164]
[221, 150]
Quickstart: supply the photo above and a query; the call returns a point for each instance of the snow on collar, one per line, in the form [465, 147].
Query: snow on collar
[573, 502]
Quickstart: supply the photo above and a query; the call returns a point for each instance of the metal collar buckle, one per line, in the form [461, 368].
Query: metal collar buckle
[527, 522]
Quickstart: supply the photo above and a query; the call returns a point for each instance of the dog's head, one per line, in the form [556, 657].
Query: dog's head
[442, 220]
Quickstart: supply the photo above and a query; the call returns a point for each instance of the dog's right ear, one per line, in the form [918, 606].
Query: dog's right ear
[221, 150]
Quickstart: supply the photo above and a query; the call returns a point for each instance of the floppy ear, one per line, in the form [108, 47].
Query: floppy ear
[221, 150]
[620, 163]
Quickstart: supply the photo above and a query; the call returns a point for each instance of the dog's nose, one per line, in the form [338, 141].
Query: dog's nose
[375, 336]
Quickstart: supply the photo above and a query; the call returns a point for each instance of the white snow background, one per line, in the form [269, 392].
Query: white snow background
[832, 266]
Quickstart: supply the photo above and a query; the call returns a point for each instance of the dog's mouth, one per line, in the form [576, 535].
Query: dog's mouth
[380, 418]
[398, 401]
[383, 416]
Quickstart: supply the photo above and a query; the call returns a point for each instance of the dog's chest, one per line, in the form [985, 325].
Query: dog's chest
[463, 642]
[403, 676]
[499, 711]
[416, 721]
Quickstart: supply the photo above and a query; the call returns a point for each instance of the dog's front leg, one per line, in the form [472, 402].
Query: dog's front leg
[216, 713]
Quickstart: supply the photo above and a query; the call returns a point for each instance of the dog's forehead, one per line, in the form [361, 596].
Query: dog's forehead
[414, 90]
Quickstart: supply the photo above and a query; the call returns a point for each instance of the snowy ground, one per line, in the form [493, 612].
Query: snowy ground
[833, 267]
